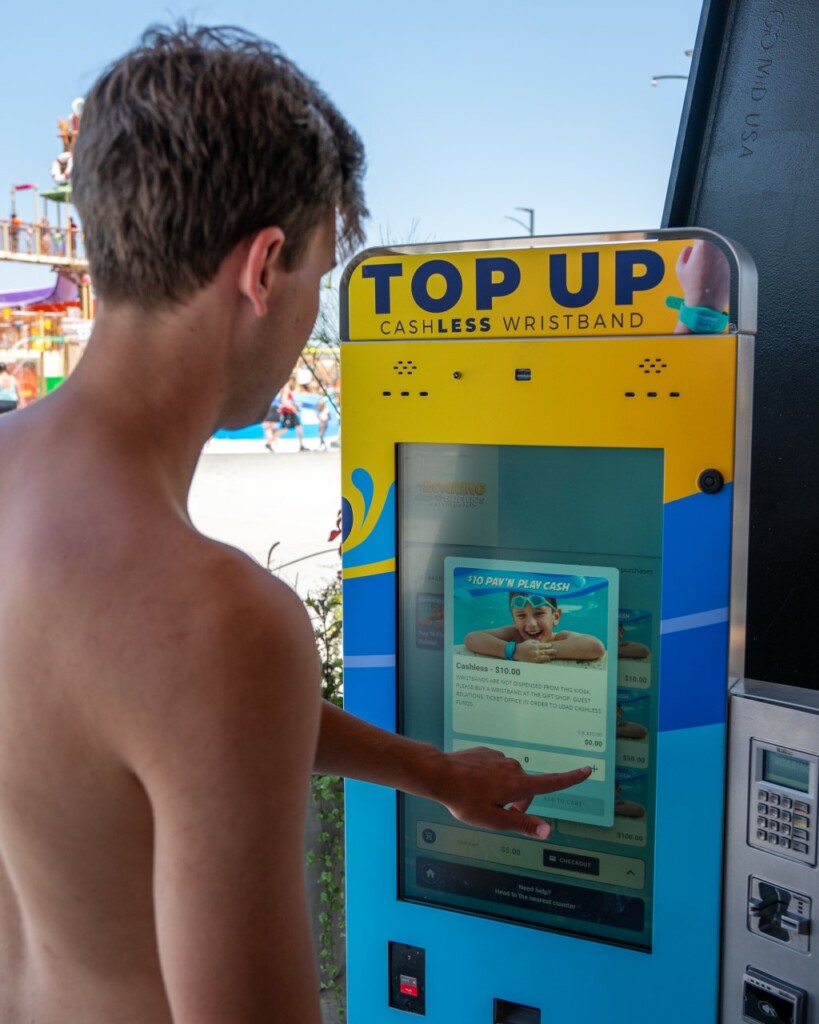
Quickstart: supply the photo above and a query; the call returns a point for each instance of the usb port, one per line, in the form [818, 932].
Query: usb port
[525, 374]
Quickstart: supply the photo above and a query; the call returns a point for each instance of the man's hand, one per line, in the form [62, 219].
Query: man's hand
[535, 652]
[483, 787]
[478, 786]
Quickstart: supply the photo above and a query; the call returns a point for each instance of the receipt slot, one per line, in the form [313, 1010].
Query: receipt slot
[544, 474]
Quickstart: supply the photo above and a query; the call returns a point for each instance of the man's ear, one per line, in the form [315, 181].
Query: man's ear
[261, 263]
[557, 613]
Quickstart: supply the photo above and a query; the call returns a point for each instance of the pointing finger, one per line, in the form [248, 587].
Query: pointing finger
[554, 781]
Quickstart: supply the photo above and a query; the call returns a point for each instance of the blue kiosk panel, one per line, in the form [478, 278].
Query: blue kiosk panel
[535, 561]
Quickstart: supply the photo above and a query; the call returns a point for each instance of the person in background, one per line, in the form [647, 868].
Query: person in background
[270, 423]
[45, 237]
[15, 224]
[73, 236]
[9, 396]
[289, 417]
[323, 412]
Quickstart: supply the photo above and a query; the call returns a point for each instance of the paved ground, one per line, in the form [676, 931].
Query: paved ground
[250, 498]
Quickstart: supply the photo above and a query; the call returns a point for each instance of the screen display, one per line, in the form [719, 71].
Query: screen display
[529, 599]
[784, 770]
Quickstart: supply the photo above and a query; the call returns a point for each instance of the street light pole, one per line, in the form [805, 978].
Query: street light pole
[658, 78]
[530, 227]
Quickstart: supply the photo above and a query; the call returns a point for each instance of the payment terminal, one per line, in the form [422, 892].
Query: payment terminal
[770, 961]
[545, 508]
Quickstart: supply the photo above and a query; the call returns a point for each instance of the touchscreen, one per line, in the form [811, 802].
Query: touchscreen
[529, 593]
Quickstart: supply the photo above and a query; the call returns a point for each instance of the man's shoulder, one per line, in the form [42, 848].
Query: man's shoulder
[227, 599]
[187, 617]
[225, 650]
[248, 601]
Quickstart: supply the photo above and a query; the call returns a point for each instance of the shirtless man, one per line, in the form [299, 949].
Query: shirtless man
[159, 692]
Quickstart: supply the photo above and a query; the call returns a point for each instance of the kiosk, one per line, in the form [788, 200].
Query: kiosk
[546, 449]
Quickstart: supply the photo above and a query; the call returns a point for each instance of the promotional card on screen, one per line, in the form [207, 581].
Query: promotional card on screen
[527, 671]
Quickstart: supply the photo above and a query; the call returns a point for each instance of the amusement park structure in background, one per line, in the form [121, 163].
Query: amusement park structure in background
[43, 331]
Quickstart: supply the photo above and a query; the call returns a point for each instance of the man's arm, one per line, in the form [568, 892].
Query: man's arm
[479, 786]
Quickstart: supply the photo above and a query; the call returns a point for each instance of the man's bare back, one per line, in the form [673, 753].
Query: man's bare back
[108, 691]
[159, 692]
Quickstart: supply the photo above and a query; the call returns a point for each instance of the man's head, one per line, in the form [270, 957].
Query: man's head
[533, 615]
[192, 143]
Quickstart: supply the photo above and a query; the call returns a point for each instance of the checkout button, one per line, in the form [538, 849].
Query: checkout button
[571, 862]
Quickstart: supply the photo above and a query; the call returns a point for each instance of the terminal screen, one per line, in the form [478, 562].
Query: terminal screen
[529, 592]
[784, 770]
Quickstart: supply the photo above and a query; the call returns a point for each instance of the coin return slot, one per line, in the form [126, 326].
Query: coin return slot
[515, 1013]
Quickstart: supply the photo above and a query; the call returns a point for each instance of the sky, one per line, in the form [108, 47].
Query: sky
[468, 109]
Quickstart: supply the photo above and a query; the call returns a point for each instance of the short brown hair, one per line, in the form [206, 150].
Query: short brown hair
[194, 141]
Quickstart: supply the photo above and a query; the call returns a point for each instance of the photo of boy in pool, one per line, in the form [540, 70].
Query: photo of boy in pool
[532, 637]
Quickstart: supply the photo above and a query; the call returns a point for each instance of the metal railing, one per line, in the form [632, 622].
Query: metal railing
[56, 245]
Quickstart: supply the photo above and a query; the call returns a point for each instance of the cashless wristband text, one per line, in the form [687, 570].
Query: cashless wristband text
[509, 653]
[698, 319]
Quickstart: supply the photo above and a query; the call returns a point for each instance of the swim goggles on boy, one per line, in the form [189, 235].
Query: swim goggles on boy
[535, 600]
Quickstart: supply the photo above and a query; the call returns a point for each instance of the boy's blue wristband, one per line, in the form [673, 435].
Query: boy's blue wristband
[509, 653]
[698, 319]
